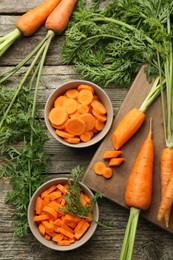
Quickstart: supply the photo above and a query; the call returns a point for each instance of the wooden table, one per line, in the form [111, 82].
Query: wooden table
[151, 242]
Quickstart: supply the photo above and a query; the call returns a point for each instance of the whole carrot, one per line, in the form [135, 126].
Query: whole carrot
[166, 175]
[28, 23]
[134, 119]
[138, 193]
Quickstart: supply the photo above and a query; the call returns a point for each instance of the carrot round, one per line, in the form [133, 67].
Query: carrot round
[99, 167]
[139, 185]
[98, 107]
[85, 96]
[107, 172]
[89, 121]
[127, 127]
[58, 20]
[58, 115]
[30, 22]
[75, 126]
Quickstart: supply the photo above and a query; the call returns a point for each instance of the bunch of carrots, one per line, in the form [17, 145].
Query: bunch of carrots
[52, 220]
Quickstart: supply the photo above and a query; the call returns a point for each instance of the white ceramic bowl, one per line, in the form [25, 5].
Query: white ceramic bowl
[103, 98]
[34, 227]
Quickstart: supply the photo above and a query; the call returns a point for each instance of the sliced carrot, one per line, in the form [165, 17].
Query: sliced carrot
[72, 93]
[48, 226]
[100, 117]
[52, 213]
[62, 188]
[55, 195]
[41, 218]
[70, 105]
[47, 191]
[46, 200]
[79, 225]
[86, 136]
[53, 204]
[111, 154]
[107, 172]
[83, 108]
[64, 243]
[116, 161]
[89, 121]
[47, 237]
[65, 232]
[84, 86]
[73, 140]
[85, 96]
[39, 205]
[41, 229]
[75, 114]
[71, 218]
[58, 115]
[82, 230]
[99, 125]
[98, 107]
[59, 101]
[75, 126]
[63, 134]
[58, 238]
[99, 167]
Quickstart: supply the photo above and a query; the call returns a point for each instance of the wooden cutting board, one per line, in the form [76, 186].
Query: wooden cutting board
[114, 188]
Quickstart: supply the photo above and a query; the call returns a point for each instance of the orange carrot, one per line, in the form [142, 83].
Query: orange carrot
[111, 154]
[85, 96]
[73, 140]
[39, 205]
[63, 134]
[86, 136]
[99, 168]
[84, 86]
[30, 22]
[89, 121]
[127, 127]
[75, 126]
[72, 93]
[41, 218]
[138, 192]
[58, 116]
[107, 172]
[70, 105]
[83, 108]
[58, 19]
[166, 172]
[51, 212]
[98, 107]
[116, 161]
[59, 100]
[82, 230]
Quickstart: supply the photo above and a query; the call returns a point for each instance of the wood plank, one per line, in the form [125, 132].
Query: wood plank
[114, 188]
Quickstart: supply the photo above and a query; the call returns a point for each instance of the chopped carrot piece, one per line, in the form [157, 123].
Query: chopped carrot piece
[79, 225]
[111, 154]
[41, 229]
[58, 238]
[99, 167]
[64, 243]
[84, 86]
[99, 125]
[59, 101]
[48, 226]
[47, 191]
[98, 107]
[116, 161]
[100, 117]
[70, 105]
[58, 115]
[63, 134]
[71, 218]
[62, 188]
[41, 218]
[83, 108]
[82, 230]
[50, 212]
[85, 96]
[75, 126]
[89, 121]
[107, 172]
[73, 140]
[47, 237]
[86, 136]
[39, 205]
[72, 93]
[65, 232]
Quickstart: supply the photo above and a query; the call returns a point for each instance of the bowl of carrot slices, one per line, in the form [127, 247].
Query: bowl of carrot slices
[52, 218]
[78, 113]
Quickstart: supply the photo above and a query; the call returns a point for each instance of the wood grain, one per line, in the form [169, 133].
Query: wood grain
[114, 188]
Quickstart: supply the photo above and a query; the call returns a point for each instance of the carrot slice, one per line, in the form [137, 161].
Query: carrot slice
[50, 212]
[73, 140]
[89, 121]
[41, 218]
[39, 205]
[47, 191]
[98, 107]
[82, 230]
[107, 172]
[116, 161]
[72, 93]
[83, 108]
[86, 136]
[58, 115]
[100, 117]
[99, 125]
[75, 126]
[70, 105]
[84, 86]
[85, 96]
[99, 167]
[63, 133]
[58, 238]
[111, 154]
[41, 229]
[65, 232]
[59, 101]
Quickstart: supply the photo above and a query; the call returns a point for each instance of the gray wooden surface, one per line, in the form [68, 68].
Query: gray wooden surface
[151, 242]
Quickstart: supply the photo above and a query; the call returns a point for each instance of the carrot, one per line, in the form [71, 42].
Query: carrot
[116, 161]
[100, 117]
[84, 86]
[58, 19]
[59, 101]
[34, 18]
[107, 172]
[72, 93]
[89, 121]
[99, 168]
[70, 105]
[63, 134]
[83, 108]
[82, 230]
[98, 107]
[85, 96]
[166, 172]
[127, 127]
[51, 212]
[86, 136]
[39, 205]
[41, 218]
[48, 191]
[138, 192]
[75, 126]
[41, 229]
[58, 116]
[111, 154]
[73, 140]
[28, 23]
[99, 125]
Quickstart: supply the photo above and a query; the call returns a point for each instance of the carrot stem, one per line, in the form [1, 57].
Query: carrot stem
[7, 40]
[129, 236]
